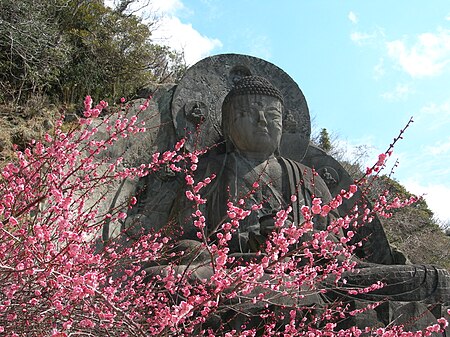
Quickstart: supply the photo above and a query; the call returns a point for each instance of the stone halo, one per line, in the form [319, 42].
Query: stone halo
[205, 85]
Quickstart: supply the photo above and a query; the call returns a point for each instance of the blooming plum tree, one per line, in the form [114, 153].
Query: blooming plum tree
[56, 280]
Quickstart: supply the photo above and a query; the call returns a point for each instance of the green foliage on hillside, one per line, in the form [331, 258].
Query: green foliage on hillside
[66, 49]
[413, 229]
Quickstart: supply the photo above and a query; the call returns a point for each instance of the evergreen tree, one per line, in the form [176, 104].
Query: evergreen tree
[324, 140]
[69, 48]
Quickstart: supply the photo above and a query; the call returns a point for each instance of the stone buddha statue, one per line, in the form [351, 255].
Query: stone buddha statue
[251, 169]
[248, 167]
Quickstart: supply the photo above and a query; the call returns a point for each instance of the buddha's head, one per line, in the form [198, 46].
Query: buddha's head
[252, 117]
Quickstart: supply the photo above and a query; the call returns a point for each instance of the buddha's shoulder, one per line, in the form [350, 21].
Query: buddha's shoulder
[310, 178]
[211, 163]
[290, 163]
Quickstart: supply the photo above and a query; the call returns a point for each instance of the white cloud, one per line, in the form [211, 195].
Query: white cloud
[429, 55]
[167, 6]
[170, 31]
[359, 151]
[436, 109]
[183, 37]
[352, 17]
[440, 148]
[378, 70]
[372, 38]
[435, 195]
[260, 46]
[145, 7]
[400, 93]
[362, 38]
[435, 116]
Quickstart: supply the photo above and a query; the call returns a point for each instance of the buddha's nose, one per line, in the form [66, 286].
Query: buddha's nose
[262, 119]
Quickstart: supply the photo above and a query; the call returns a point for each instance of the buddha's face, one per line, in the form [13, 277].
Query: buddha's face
[255, 124]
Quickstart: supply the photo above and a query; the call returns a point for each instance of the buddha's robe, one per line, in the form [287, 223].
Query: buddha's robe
[269, 183]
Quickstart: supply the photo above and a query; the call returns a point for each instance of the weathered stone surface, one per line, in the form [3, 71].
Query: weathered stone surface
[414, 316]
[427, 284]
[207, 83]
[376, 247]
[367, 318]
[136, 150]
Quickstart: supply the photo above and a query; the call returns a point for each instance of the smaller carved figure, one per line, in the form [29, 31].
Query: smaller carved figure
[328, 178]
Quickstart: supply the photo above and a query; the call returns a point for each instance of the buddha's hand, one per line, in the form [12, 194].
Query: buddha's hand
[268, 225]
[256, 242]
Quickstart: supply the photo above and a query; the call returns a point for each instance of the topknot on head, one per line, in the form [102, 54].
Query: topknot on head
[255, 85]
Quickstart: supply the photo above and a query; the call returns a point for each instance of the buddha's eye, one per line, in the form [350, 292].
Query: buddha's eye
[273, 114]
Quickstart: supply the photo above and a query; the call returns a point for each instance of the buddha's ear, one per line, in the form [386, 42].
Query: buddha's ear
[277, 151]
[226, 121]
[229, 146]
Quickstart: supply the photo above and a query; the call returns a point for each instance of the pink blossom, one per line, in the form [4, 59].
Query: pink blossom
[13, 221]
[87, 103]
[133, 201]
[8, 199]
[11, 316]
[443, 322]
[316, 209]
[317, 201]
[189, 195]
[66, 202]
[194, 158]
[189, 180]
[381, 159]
[325, 210]
[221, 260]
[87, 323]
[306, 212]
[48, 138]
[179, 144]
[434, 328]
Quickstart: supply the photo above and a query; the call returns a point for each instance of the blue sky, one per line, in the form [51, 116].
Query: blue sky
[365, 67]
